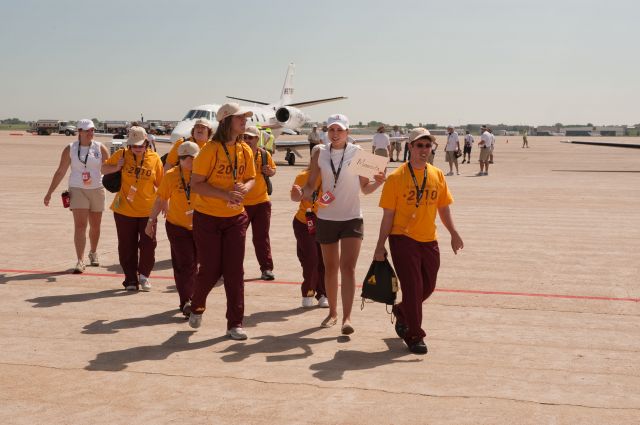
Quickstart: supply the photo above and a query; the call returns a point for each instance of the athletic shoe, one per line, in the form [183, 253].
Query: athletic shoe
[463, 161]
[347, 329]
[267, 275]
[486, 173]
[307, 302]
[323, 302]
[450, 173]
[418, 347]
[220, 282]
[480, 174]
[145, 285]
[195, 320]
[186, 309]
[93, 259]
[237, 333]
[131, 286]
[79, 268]
[458, 172]
[401, 329]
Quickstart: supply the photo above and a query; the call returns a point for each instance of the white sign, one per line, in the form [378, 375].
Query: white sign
[367, 165]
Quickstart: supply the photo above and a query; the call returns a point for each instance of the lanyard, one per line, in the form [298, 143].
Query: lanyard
[86, 157]
[234, 165]
[419, 190]
[138, 169]
[336, 175]
[187, 186]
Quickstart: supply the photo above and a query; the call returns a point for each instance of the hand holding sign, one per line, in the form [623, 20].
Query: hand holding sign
[367, 164]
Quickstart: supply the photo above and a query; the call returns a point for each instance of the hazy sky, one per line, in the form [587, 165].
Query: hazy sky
[493, 61]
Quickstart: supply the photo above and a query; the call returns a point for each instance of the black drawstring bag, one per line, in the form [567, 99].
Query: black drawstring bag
[112, 182]
[380, 284]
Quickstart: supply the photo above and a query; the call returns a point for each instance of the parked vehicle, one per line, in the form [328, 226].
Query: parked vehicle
[48, 127]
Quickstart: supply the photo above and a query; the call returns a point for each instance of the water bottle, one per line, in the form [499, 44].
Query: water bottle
[311, 221]
[66, 199]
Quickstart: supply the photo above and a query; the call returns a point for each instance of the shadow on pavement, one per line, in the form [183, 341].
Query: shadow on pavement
[113, 361]
[270, 344]
[158, 265]
[271, 316]
[56, 300]
[105, 327]
[48, 277]
[345, 360]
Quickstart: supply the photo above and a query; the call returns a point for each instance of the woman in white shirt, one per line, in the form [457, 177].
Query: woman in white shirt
[381, 144]
[85, 158]
[339, 227]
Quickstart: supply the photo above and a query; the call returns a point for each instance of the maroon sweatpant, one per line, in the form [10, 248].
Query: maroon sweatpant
[183, 260]
[260, 219]
[416, 264]
[131, 238]
[220, 251]
[310, 256]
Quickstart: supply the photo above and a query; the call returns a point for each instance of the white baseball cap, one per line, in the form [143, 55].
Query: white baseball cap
[137, 136]
[85, 124]
[338, 119]
[229, 109]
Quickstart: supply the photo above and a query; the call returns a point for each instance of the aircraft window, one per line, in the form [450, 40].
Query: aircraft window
[263, 118]
[189, 115]
[201, 114]
[209, 115]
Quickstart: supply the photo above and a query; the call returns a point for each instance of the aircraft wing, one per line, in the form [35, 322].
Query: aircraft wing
[608, 144]
[315, 102]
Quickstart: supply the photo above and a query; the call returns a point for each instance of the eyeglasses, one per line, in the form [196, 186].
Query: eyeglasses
[248, 137]
[185, 156]
[422, 145]
[138, 147]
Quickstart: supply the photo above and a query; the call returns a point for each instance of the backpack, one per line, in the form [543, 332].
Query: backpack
[265, 157]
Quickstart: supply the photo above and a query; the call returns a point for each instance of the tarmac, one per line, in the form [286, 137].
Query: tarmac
[536, 321]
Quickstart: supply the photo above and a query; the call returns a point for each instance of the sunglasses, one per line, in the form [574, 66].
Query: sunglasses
[248, 137]
[422, 145]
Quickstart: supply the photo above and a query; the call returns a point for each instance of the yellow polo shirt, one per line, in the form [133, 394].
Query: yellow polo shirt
[258, 194]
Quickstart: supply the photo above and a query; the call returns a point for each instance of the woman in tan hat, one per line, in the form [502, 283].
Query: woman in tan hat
[175, 198]
[223, 173]
[141, 170]
[85, 157]
[200, 134]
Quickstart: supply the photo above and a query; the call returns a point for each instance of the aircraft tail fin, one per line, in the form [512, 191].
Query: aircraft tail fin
[286, 97]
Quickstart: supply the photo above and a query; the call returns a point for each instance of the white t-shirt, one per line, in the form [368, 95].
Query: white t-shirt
[487, 138]
[93, 155]
[346, 205]
[452, 142]
[468, 140]
[380, 141]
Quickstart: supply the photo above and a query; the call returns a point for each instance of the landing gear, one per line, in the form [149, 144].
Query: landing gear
[290, 157]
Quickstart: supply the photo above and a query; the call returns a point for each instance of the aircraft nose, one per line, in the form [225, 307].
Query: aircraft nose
[183, 129]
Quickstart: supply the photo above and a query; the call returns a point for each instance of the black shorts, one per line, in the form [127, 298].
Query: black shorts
[329, 231]
[467, 149]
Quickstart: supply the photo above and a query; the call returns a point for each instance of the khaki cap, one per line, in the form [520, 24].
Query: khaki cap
[188, 149]
[229, 109]
[203, 121]
[419, 133]
[137, 136]
[252, 131]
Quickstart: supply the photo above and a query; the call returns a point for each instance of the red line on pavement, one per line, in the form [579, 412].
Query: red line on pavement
[278, 282]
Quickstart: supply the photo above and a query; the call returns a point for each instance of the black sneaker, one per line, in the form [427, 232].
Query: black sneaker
[401, 329]
[418, 347]
[267, 275]
[186, 309]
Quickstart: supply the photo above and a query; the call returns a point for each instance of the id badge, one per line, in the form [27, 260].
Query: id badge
[86, 177]
[132, 193]
[326, 199]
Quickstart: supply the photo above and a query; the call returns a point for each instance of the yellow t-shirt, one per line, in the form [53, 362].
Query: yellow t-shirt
[171, 189]
[259, 194]
[212, 163]
[172, 156]
[149, 177]
[301, 180]
[399, 194]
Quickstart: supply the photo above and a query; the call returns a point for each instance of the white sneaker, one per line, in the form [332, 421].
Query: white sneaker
[93, 259]
[145, 285]
[195, 320]
[79, 268]
[237, 333]
[450, 173]
[220, 282]
[323, 302]
[307, 302]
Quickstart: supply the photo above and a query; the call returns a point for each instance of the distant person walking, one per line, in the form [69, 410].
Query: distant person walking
[175, 199]
[314, 138]
[468, 144]
[200, 134]
[381, 145]
[410, 198]
[223, 173]
[85, 158]
[485, 144]
[308, 249]
[142, 172]
[493, 145]
[258, 205]
[396, 145]
[340, 224]
[525, 140]
[452, 150]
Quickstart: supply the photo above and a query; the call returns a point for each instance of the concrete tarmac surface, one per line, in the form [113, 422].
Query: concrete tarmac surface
[536, 321]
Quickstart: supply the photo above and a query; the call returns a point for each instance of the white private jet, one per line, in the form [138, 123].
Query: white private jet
[282, 116]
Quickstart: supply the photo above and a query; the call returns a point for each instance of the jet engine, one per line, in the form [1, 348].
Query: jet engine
[290, 117]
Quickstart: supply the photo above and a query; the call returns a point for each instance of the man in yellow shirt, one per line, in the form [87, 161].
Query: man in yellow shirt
[411, 196]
